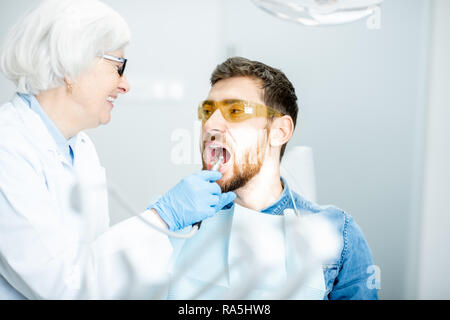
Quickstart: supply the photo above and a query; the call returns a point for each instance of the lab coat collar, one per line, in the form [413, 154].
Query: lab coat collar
[56, 134]
[40, 133]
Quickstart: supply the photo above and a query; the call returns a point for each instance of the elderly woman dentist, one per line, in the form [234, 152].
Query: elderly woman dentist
[67, 61]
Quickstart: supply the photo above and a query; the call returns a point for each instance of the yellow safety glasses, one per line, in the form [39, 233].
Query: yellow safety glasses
[235, 110]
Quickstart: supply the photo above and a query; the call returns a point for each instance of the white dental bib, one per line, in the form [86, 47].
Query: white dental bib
[242, 254]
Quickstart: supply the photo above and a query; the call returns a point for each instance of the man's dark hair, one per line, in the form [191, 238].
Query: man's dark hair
[278, 91]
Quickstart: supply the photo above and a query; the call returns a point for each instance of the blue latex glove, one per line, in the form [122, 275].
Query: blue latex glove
[193, 199]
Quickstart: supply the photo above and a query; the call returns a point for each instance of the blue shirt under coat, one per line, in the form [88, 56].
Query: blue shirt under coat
[64, 145]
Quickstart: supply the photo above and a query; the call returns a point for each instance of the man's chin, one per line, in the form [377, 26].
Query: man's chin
[236, 177]
[227, 185]
[237, 180]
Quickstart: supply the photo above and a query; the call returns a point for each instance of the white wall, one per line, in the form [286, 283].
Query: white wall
[362, 96]
[9, 14]
[434, 260]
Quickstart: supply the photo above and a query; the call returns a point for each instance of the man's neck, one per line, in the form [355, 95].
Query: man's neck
[262, 190]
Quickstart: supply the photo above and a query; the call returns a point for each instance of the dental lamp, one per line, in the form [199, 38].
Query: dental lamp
[323, 12]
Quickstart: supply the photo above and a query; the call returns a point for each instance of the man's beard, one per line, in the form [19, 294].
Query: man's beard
[242, 173]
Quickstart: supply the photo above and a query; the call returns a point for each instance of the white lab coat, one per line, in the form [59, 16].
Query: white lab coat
[48, 250]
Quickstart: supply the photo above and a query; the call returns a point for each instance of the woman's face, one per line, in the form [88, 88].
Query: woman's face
[96, 90]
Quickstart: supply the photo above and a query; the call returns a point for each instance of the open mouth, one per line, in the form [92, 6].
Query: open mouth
[111, 100]
[213, 152]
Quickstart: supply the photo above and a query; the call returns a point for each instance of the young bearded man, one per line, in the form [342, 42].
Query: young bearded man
[246, 250]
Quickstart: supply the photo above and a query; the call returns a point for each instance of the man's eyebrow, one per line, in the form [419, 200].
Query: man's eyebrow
[208, 102]
[231, 101]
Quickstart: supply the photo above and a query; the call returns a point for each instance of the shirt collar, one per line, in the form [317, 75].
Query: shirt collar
[284, 201]
[66, 146]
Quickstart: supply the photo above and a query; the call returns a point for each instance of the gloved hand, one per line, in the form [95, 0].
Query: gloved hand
[193, 199]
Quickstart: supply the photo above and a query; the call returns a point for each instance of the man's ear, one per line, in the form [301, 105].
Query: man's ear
[281, 131]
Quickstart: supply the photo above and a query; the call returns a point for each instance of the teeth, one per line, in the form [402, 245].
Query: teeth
[110, 99]
[220, 151]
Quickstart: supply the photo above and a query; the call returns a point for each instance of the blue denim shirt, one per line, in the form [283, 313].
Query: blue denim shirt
[348, 277]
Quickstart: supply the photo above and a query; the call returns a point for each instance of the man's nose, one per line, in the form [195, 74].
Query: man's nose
[124, 85]
[215, 122]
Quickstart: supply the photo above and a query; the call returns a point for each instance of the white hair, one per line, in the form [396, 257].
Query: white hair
[59, 39]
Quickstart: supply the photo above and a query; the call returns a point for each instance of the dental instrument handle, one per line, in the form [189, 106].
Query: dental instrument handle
[215, 167]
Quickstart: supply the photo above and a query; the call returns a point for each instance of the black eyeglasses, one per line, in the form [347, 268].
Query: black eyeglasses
[121, 70]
